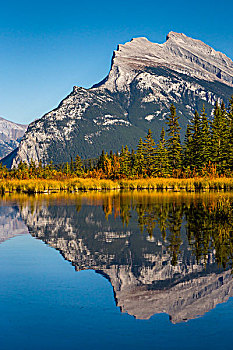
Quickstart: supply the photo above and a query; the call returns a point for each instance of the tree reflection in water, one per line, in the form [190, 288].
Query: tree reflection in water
[208, 222]
[162, 252]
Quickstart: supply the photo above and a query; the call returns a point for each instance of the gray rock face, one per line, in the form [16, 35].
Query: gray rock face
[10, 136]
[139, 268]
[179, 53]
[145, 78]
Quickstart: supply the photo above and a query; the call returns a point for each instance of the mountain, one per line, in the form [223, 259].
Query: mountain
[144, 79]
[10, 136]
[139, 267]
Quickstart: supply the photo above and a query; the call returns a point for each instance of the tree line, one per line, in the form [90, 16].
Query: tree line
[207, 150]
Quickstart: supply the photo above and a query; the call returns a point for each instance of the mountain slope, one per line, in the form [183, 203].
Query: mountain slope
[144, 79]
[10, 136]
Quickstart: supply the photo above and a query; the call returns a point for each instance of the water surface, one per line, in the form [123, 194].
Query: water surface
[109, 270]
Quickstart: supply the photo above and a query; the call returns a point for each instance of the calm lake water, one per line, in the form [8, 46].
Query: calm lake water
[116, 271]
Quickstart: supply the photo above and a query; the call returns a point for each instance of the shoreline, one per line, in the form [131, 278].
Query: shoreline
[73, 185]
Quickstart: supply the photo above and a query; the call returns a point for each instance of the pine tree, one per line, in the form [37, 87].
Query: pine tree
[132, 162]
[139, 159]
[215, 133]
[205, 148]
[230, 134]
[125, 161]
[78, 166]
[67, 168]
[149, 154]
[187, 150]
[219, 137]
[32, 168]
[162, 161]
[72, 166]
[111, 154]
[173, 142]
[196, 142]
[224, 147]
[100, 163]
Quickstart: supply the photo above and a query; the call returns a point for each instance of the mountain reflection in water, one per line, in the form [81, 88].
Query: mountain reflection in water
[161, 253]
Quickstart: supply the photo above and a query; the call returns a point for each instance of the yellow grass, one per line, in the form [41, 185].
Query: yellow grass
[80, 184]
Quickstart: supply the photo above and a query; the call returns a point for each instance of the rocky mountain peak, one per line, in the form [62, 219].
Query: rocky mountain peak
[172, 34]
[180, 37]
[179, 53]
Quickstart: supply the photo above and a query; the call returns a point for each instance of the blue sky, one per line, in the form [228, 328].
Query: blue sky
[47, 47]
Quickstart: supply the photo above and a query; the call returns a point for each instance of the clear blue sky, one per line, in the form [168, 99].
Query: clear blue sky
[46, 47]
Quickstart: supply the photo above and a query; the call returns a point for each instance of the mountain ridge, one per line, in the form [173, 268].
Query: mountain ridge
[144, 79]
[10, 136]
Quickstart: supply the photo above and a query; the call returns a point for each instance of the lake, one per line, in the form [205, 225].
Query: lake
[116, 270]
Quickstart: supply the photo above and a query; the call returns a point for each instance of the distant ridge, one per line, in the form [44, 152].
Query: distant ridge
[10, 136]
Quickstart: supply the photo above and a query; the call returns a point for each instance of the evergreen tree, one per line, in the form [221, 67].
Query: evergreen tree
[125, 161]
[101, 160]
[132, 162]
[230, 134]
[72, 166]
[40, 168]
[216, 133]
[32, 168]
[149, 153]
[111, 154]
[219, 137]
[196, 142]
[173, 142]
[67, 168]
[90, 165]
[205, 147]
[225, 138]
[139, 159]
[162, 161]
[78, 166]
[187, 149]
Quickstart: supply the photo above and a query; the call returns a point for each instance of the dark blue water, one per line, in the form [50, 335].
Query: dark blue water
[46, 304]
